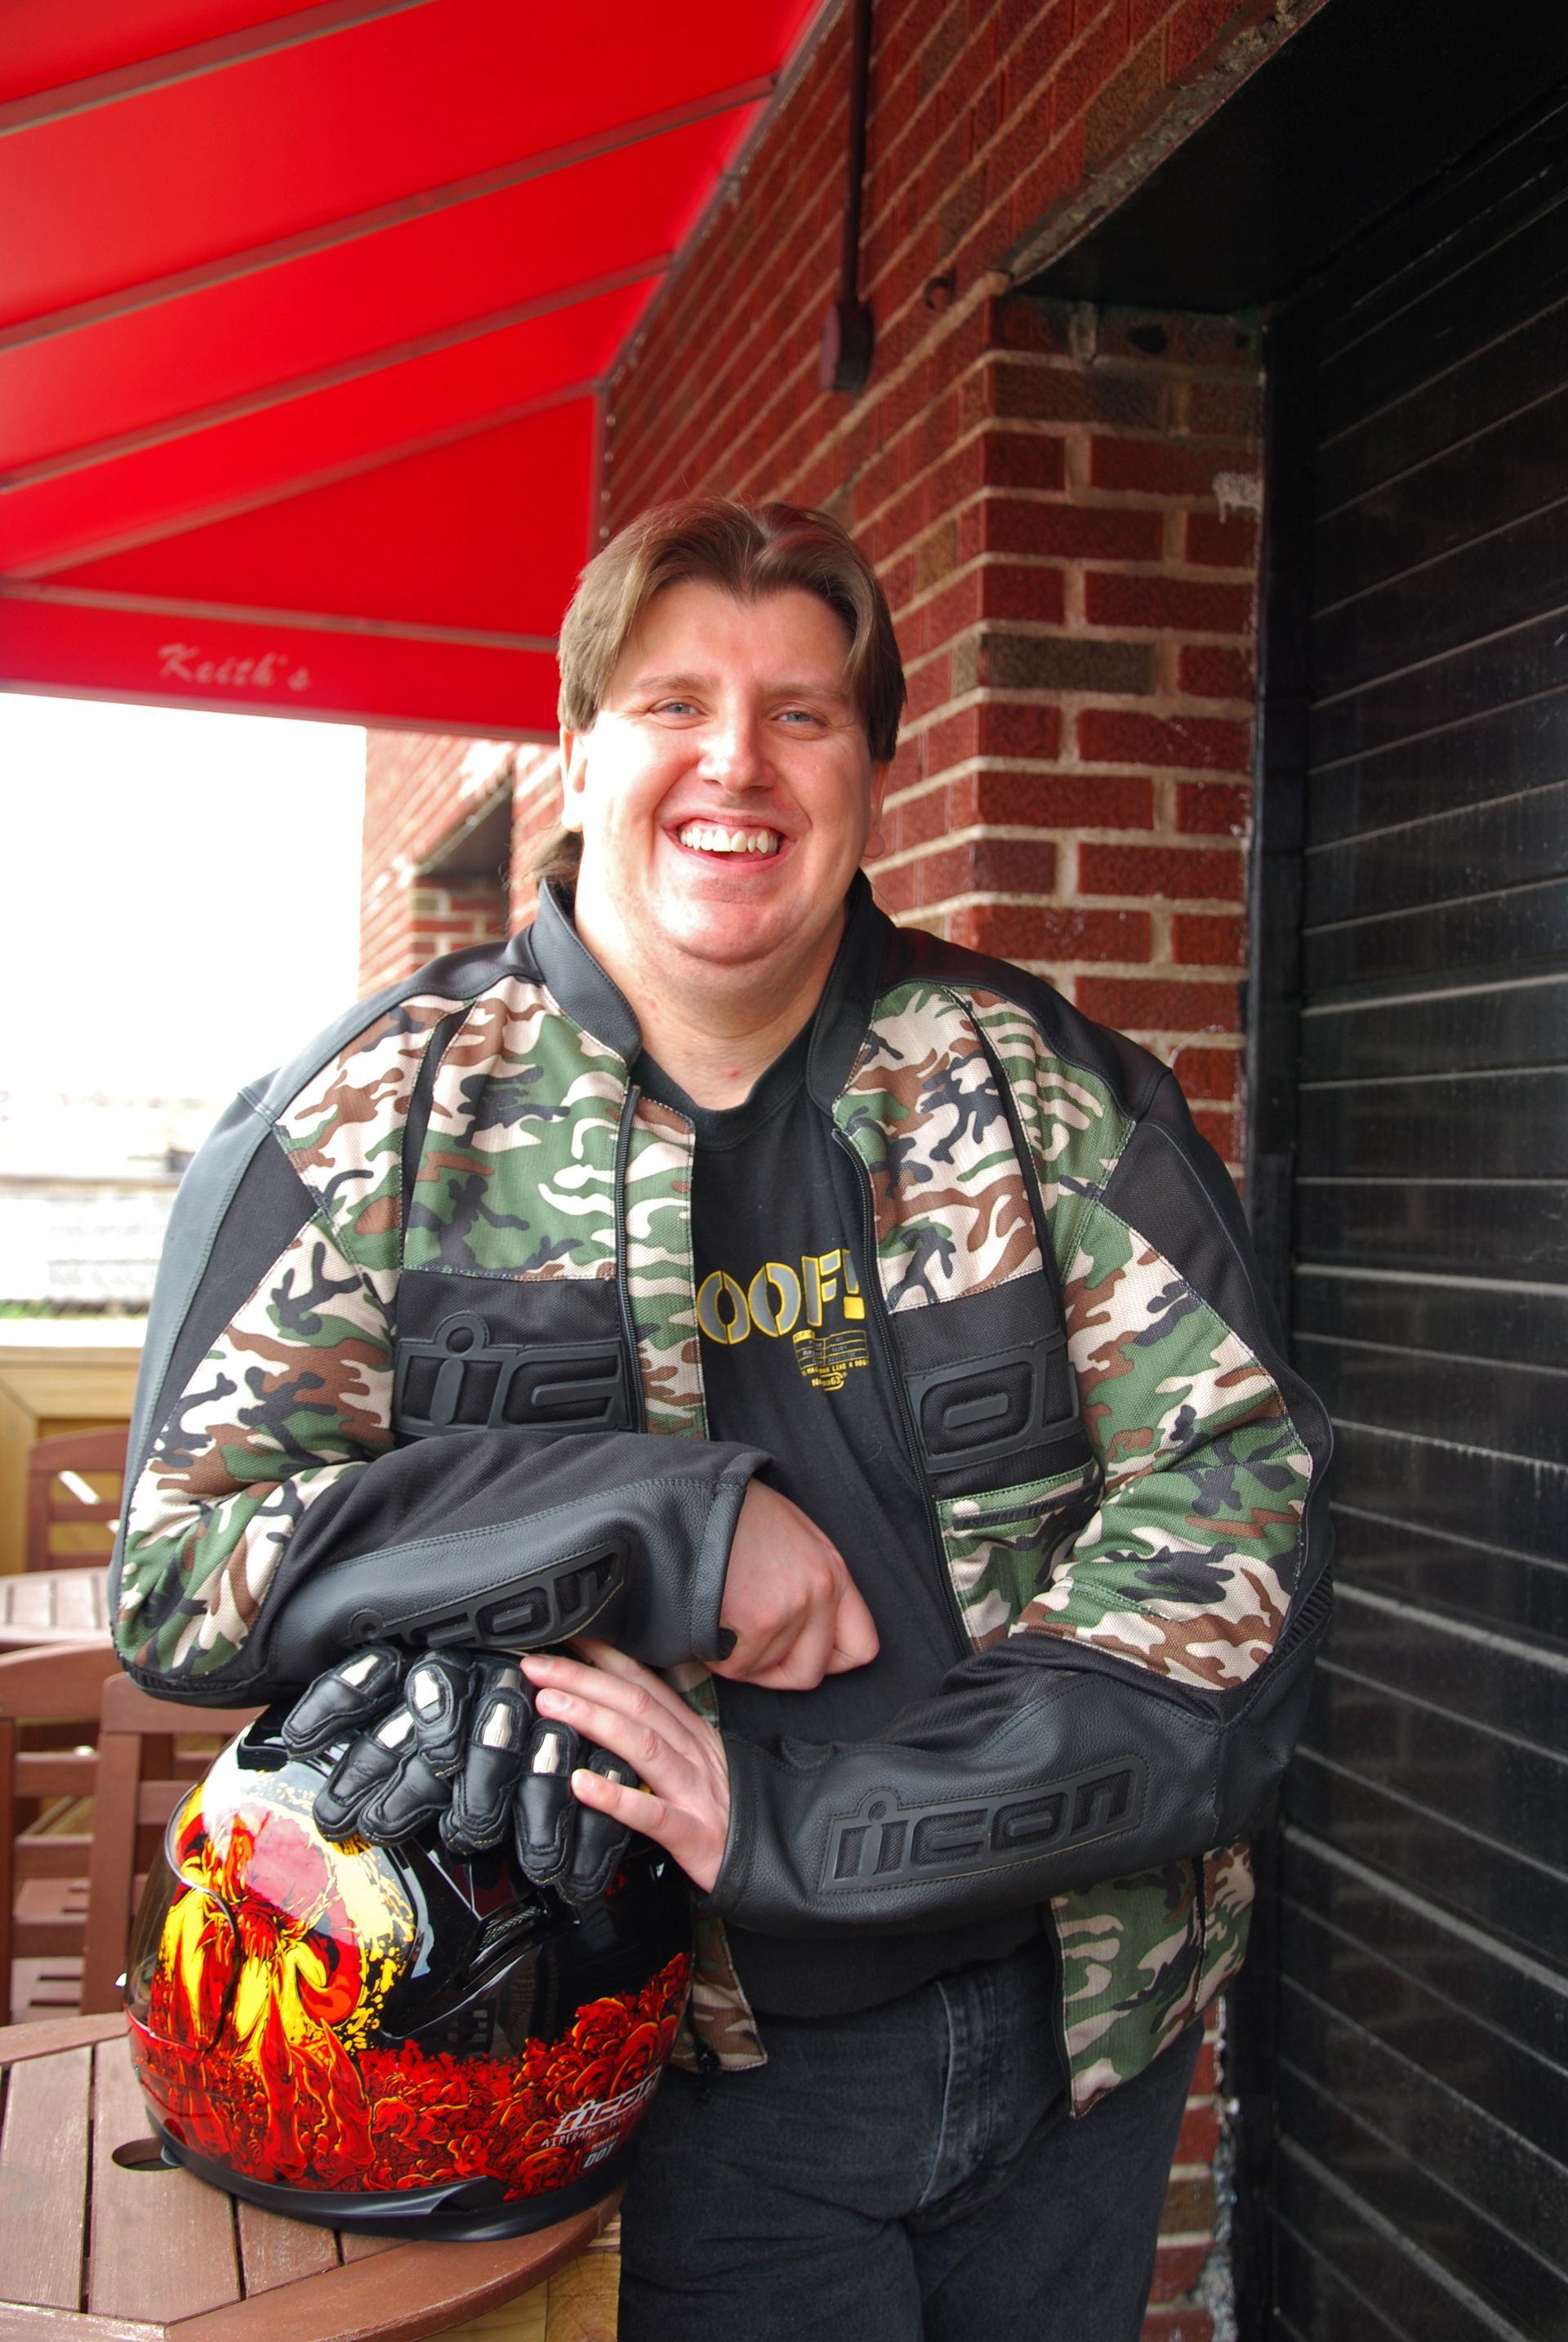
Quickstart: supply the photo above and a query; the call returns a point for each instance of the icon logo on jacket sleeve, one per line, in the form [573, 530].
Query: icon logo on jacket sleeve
[885, 1843]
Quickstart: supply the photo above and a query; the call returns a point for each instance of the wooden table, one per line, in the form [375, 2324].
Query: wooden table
[54, 1606]
[137, 2252]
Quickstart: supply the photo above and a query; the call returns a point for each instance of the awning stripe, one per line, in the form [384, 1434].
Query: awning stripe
[279, 492]
[155, 291]
[306, 385]
[290, 32]
[160, 606]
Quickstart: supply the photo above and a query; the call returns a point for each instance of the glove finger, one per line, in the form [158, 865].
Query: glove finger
[437, 1695]
[599, 1840]
[415, 1796]
[544, 1809]
[365, 1767]
[498, 1746]
[343, 1700]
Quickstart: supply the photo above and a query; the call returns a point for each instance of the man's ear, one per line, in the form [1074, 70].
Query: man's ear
[876, 842]
[573, 768]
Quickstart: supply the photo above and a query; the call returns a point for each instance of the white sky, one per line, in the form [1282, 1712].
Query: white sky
[179, 907]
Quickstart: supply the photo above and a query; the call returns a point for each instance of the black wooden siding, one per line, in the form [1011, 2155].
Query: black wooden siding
[1421, 2176]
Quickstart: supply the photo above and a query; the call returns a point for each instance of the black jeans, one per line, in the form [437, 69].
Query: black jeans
[907, 2174]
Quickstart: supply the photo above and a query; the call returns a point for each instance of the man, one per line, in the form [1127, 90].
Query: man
[990, 1502]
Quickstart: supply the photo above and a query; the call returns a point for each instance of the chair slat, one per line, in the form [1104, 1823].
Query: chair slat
[156, 1800]
[48, 1919]
[52, 1857]
[55, 1509]
[55, 1773]
[30, 1605]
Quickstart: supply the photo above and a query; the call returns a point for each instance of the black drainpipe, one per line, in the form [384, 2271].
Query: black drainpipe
[845, 363]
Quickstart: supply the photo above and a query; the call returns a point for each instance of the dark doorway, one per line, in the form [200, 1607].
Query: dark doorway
[1411, 1174]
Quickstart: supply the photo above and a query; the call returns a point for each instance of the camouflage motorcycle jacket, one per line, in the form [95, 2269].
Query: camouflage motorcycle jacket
[429, 1292]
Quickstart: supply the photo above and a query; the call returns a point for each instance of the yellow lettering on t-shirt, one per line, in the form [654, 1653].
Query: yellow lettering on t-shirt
[722, 1311]
[770, 1316]
[778, 1300]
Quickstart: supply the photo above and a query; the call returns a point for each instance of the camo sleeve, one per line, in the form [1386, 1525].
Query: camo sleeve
[1207, 1447]
[292, 1394]
[1144, 1696]
[270, 1487]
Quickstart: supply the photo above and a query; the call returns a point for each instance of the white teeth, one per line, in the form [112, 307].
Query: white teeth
[705, 837]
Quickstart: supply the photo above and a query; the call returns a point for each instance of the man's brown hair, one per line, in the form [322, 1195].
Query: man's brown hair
[748, 551]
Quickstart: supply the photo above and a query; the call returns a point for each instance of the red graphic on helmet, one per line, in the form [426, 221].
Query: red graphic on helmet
[258, 2045]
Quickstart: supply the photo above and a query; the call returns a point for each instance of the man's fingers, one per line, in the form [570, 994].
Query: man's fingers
[628, 1712]
[604, 1660]
[856, 1641]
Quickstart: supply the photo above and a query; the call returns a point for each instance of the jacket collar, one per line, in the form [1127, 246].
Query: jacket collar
[591, 999]
[849, 996]
[588, 996]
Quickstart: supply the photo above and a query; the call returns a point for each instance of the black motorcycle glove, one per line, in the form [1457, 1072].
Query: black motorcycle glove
[451, 1737]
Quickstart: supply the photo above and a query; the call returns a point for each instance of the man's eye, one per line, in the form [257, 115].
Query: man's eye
[675, 708]
[800, 716]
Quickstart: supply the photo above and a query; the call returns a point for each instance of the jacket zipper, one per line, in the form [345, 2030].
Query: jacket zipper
[872, 1294]
[622, 1285]
[872, 1287]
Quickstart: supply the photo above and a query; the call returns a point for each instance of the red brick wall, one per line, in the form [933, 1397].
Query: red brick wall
[419, 788]
[1074, 597]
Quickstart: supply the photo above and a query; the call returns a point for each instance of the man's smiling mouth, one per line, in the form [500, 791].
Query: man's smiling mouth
[711, 837]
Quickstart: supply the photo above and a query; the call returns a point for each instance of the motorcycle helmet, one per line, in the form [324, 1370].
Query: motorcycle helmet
[387, 2037]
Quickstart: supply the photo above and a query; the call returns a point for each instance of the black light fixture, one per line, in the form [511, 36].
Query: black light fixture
[847, 338]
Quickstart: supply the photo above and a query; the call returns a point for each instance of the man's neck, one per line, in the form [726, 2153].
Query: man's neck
[713, 1029]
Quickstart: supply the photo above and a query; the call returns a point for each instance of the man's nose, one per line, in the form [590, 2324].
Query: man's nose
[733, 755]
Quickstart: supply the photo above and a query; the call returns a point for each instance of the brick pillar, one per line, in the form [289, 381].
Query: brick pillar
[1074, 589]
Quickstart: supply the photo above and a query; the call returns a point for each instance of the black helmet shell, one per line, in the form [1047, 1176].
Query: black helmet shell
[387, 2038]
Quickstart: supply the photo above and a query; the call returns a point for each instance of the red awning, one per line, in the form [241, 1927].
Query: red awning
[303, 317]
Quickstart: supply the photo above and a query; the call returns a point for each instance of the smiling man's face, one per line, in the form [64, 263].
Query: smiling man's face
[726, 793]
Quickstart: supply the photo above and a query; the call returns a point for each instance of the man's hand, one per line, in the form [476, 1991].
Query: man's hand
[685, 1803]
[792, 1605]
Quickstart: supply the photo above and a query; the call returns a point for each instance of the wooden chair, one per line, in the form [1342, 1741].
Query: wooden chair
[142, 1775]
[44, 1848]
[71, 1522]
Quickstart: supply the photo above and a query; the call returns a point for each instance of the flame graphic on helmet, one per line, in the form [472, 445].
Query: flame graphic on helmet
[259, 2046]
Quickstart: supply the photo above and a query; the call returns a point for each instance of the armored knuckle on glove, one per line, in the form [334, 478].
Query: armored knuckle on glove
[451, 1738]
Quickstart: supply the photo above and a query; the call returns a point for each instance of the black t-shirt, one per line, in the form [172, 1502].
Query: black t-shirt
[792, 1362]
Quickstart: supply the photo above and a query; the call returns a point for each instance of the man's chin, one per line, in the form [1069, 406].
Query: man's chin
[728, 936]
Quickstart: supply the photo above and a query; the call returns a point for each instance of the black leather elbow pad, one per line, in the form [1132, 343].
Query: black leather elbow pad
[642, 1565]
[1069, 1790]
